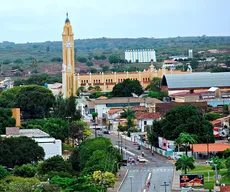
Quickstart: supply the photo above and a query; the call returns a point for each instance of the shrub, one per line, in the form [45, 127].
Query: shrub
[25, 171]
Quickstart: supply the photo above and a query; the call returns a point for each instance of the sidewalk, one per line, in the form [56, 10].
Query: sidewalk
[119, 178]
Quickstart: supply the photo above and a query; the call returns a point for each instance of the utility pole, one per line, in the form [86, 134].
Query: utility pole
[165, 185]
[131, 184]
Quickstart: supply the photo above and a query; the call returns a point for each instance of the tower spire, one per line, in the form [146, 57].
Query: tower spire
[67, 18]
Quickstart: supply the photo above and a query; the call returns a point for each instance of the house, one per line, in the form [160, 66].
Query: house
[221, 126]
[50, 145]
[146, 118]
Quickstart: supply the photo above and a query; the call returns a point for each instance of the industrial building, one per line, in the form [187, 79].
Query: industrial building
[140, 55]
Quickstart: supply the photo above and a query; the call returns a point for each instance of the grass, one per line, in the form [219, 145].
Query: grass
[204, 171]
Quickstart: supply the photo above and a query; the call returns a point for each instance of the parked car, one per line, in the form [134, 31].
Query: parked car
[210, 162]
[142, 161]
[105, 131]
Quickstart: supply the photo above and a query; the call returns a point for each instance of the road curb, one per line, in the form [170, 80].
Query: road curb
[123, 180]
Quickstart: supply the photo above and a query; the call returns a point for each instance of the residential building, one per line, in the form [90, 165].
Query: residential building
[140, 55]
[146, 118]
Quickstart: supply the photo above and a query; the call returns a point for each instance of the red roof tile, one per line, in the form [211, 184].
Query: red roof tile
[138, 108]
[147, 115]
[212, 147]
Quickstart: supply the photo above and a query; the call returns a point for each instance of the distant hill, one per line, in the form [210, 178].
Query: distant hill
[45, 51]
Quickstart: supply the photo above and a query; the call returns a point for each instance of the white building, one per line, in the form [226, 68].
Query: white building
[190, 53]
[146, 118]
[140, 55]
[51, 146]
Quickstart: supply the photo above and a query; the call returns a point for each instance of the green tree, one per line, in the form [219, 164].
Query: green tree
[113, 59]
[93, 70]
[226, 153]
[18, 61]
[57, 128]
[103, 57]
[89, 63]
[19, 151]
[55, 164]
[186, 119]
[185, 163]
[8, 97]
[158, 95]
[130, 115]
[6, 119]
[227, 164]
[154, 131]
[79, 130]
[81, 59]
[24, 171]
[194, 63]
[6, 62]
[155, 85]
[217, 163]
[34, 101]
[94, 115]
[212, 116]
[126, 88]
[3, 172]
[186, 139]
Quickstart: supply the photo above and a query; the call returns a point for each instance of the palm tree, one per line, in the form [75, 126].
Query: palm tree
[185, 163]
[186, 139]
[130, 115]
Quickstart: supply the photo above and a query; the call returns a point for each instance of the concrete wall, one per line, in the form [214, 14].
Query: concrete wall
[52, 148]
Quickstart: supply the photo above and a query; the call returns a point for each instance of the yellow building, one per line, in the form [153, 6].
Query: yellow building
[16, 115]
[106, 81]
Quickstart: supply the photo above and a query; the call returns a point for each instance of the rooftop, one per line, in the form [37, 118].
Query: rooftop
[212, 147]
[127, 100]
[32, 133]
[147, 115]
[196, 80]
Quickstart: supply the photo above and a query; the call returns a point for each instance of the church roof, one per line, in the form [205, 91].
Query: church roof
[196, 80]
[67, 19]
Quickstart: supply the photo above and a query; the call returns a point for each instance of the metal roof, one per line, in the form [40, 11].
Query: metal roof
[196, 80]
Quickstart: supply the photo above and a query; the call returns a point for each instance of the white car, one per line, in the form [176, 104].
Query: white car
[142, 161]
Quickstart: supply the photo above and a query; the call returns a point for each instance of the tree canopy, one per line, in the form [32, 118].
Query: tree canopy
[185, 163]
[126, 88]
[19, 151]
[6, 119]
[155, 85]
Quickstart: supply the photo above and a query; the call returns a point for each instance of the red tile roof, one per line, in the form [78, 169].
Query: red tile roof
[212, 147]
[224, 188]
[147, 115]
[138, 108]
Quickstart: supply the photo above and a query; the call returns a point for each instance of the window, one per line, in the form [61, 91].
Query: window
[145, 122]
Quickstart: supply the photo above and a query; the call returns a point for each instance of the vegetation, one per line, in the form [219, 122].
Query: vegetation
[6, 119]
[212, 116]
[19, 151]
[185, 163]
[126, 88]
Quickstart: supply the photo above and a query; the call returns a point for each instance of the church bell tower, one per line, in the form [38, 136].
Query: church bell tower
[68, 68]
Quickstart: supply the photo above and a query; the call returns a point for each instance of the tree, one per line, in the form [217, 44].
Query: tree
[158, 95]
[89, 63]
[217, 163]
[82, 183]
[186, 139]
[154, 131]
[19, 151]
[8, 97]
[104, 68]
[130, 115]
[212, 116]
[155, 85]
[186, 119]
[113, 59]
[94, 115]
[25, 171]
[55, 164]
[3, 172]
[126, 88]
[6, 62]
[34, 101]
[81, 59]
[194, 63]
[227, 164]
[106, 179]
[57, 128]
[103, 57]
[6, 119]
[79, 130]
[18, 61]
[185, 163]
[226, 153]
[93, 70]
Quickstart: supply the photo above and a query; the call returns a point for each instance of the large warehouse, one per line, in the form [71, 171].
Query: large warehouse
[140, 55]
[195, 81]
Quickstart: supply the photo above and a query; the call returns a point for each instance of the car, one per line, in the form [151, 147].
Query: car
[177, 157]
[142, 161]
[105, 131]
[138, 157]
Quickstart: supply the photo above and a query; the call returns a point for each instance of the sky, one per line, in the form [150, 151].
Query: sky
[43, 20]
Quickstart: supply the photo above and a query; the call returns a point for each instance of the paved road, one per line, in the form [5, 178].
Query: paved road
[158, 167]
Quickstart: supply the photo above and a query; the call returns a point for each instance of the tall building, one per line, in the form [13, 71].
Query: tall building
[190, 53]
[68, 68]
[140, 55]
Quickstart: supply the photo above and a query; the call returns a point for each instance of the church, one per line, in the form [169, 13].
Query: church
[106, 81]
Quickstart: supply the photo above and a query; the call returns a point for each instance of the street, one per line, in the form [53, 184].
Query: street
[158, 170]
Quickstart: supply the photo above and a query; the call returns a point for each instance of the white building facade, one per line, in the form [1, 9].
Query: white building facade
[140, 55]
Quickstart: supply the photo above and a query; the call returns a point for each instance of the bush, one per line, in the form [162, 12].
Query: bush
[25, 171]
[3, 172]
